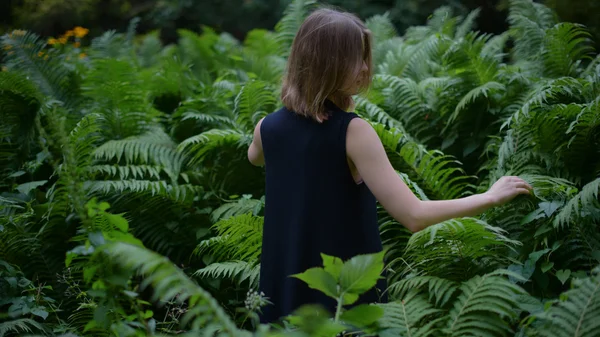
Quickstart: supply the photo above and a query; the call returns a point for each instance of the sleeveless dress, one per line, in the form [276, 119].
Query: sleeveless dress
[312, 206]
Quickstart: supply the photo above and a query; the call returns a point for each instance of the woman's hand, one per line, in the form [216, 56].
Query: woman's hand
[507, 188]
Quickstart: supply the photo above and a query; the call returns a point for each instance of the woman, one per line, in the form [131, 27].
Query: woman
[325, 167]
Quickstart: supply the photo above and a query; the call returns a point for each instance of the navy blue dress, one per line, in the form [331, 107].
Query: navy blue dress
[312, 206]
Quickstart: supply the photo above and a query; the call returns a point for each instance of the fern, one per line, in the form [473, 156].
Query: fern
[239, 238]
[439, 175]
[485, 307]
[22, 325]
[238, 270]
[288, 26]
[170, 283]
[440, 290]
[412, 316]
[457, 248]
[565, 45]
[575, 314]
[254, 101]
[49, 74]
[584, 202]
[244, 205]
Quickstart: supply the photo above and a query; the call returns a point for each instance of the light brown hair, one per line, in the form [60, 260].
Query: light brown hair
[325, 61]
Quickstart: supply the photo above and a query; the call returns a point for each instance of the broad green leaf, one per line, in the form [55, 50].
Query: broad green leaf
[118, 221]
[28, 187]
[317, 278]
[362, 315]
[535, 256]
[361, 273]
[533, 215]
[549, 207]
[333, 265]
[40, 312]
[547, 266]
[563, 275]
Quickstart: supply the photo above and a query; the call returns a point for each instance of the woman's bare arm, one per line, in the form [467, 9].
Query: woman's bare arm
[255, 151]
[366, 151]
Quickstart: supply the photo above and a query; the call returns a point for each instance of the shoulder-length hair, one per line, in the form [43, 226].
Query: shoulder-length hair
[327, 56]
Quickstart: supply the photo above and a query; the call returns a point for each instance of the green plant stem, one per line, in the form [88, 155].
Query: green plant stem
[338, 311]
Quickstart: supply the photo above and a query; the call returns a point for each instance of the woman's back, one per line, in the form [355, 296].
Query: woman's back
[313, 206]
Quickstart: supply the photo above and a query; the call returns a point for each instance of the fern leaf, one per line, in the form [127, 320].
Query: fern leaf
[255, 100]
[238, 270]
[412, 316]
[244, 205]
[577, 312]
[170, 283]
[288, 26]
[22, 325]
[239, 238]
[440, 290]
[565, 45]
[49, 74]
[485, 307]
[457, 248]
[573, 210]
[473, 95]
[468, 24]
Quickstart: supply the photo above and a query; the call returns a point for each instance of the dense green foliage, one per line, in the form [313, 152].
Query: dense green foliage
[128, 206]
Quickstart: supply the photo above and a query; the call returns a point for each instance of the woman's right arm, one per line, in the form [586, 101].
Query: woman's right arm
[366, 151]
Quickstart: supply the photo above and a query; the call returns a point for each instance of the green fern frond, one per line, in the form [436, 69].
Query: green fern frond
[494, 47]
[241, 206]
[288, 25]
[239, 238]
[457, 248]
[381, 28]
[201, 146]
[439, 175]
[467, 24]
[486, 307]
[440, 290]
[484, 90]
[22, 325]
[565, 45]
[528, 22]
[255, 100]
[179, 193]
[152, 148]
[412, 316]
[576, 313]
[576, 208]
[232, 270]
[549, 92]
[50, 75]
[170, 283]
[376, 114]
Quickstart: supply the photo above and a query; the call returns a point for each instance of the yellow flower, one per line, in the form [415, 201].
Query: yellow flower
[69, 33]
[40, 54]
[4, 69]
[76, 44]
[7, 47]
[62, 40]
[82, 55]
[19, 32]
[80, 31]
[52, 41]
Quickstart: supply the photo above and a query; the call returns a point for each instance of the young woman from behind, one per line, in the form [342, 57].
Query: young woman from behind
[326, 168]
